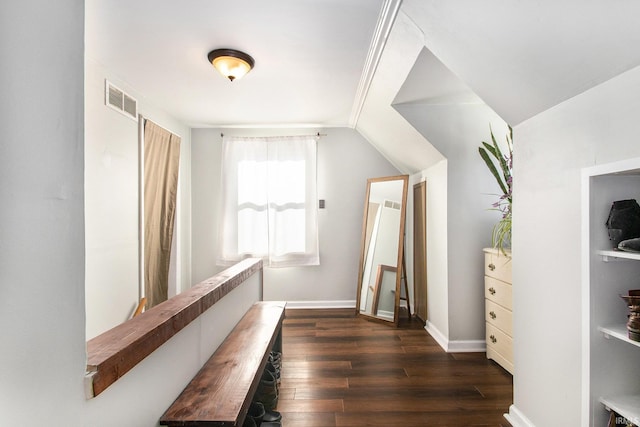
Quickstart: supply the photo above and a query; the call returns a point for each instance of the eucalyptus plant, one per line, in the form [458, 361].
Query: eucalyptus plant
[500, 165]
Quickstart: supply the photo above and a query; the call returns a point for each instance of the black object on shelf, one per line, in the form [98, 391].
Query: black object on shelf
[623, 222]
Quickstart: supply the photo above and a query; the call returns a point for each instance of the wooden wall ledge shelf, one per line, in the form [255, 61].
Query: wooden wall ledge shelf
[116, 351]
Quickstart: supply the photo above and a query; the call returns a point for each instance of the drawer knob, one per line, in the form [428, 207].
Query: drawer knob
[492, 291]
[493, 339]
[493, 315]
[492, 267]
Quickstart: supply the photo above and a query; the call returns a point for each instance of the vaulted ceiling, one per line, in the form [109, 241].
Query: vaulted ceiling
[327, 63]
[523, 57]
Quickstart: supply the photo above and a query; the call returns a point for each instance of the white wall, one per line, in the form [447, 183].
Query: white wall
[43, 357]
[42, 361]
[140, 397]
[205, 178]
[596, 127]
[437, 271]
[111, 203]
[468, 190]
[345, 162]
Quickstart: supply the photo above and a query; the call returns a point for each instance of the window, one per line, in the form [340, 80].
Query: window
[269, 201]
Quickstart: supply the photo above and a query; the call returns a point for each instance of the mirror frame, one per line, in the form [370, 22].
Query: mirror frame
[399, 261]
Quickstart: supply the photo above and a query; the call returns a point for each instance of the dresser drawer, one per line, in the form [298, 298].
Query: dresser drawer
[492, 354]
[498, 292]
[499, 317]
[497, 265]
[499, 342]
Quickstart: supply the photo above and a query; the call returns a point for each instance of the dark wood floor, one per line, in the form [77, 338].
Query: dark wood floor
[342, 370]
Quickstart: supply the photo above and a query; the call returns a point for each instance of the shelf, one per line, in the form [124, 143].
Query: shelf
[627, 406]
[606, 254]
[618, 331]
[607, 272]
[113, 353]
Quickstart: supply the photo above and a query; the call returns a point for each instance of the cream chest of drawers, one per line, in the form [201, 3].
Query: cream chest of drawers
[498, 309]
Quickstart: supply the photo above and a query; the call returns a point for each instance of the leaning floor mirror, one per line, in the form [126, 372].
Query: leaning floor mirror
[381, 256]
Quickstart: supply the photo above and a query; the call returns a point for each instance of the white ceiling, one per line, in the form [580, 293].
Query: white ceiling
[313, 56]
[523, 57]
[310, 56]
[519, 57]
[431, 82]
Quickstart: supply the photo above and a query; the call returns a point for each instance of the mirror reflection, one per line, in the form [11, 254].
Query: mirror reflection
[381, 255]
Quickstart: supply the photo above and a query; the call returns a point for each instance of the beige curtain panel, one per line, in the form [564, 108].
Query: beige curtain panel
[161, 162]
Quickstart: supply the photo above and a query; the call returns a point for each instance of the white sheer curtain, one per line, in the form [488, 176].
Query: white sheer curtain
[269, 200]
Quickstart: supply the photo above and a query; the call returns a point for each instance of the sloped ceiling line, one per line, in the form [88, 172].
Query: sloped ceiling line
[379, 123]
[387, 17]
[522, 58]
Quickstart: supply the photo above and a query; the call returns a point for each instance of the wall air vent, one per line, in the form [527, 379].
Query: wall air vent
[391, 204]
[117, 99]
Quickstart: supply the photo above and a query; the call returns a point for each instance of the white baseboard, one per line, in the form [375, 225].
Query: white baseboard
[322, 304]
[517, 418]
[436, 335]
[456, 346]
[387, 315]
[467, 346]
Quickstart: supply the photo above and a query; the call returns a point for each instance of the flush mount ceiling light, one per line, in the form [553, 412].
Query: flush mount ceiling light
[231, 63]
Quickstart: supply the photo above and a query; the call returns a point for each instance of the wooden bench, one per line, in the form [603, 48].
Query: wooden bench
[221, 392]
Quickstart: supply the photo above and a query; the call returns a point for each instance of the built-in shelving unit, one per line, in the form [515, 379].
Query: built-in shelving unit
[608, 255]
[618, 332]
[611, 361]
[626, 405]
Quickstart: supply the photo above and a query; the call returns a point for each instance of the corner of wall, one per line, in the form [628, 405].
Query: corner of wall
[517, 418]
[455, 346]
